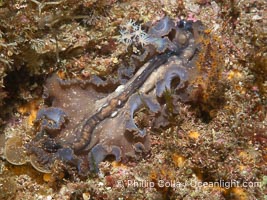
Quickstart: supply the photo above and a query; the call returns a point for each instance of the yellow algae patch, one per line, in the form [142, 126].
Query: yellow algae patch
[47, 177]
[207, 31]
[153, 175]
[242, 167]
[247, 156]
[116, 164]
[239, 193]
[193, 134]
[240, 89]
[162, 172]
[234, 74]
[31, 108]
[61, 74]
[178, 160]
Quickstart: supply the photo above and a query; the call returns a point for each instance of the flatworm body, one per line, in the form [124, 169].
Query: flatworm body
[85, 125]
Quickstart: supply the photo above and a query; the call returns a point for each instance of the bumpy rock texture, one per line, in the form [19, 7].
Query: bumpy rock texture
[211, 130]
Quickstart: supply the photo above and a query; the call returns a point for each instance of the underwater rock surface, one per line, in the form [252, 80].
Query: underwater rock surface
[220, 136]
[84, 125]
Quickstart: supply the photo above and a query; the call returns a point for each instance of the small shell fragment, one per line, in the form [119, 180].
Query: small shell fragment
[15, 151]
[36, 165]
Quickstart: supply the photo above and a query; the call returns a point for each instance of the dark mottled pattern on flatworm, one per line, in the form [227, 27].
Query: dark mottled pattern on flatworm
[84, 125]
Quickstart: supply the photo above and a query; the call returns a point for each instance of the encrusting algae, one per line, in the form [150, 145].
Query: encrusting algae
[133, 99]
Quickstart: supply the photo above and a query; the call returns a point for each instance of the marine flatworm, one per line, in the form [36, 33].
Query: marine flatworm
[84, 125]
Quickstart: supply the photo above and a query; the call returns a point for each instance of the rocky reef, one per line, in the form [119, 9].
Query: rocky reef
[131, 99]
